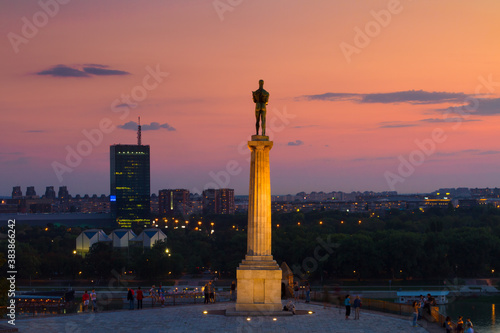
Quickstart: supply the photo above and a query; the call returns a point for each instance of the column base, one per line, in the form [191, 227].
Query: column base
[259, 286]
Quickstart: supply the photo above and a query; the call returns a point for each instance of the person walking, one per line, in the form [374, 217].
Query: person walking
[296, 291]
[93, 297]
[206, 293]
[85, 300]
[130, 298]
[357, 307]
[139, 297]
[416, 306]
[347, 303]
[460, 325]
[448, 325]
[211, 290]
[233, 291]
[308, 292]
[152, 294]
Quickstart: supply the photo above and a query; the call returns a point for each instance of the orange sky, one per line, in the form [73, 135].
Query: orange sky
[215, 52]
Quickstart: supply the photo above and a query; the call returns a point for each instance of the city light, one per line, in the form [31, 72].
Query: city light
[74, 252]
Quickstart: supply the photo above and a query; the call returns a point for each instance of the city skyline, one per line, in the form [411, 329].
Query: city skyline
[360, 94]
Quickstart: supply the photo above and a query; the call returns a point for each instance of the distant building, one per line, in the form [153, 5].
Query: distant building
[30, 192]
[220, 201]
[63, 194]
[440, 203]
[154, 204]
[173, 202]
[122, 237]
[149, 237]
[16, 192]
[225, 204]
[130, 184]
[89, 237]
[50, 193]
[210, 201]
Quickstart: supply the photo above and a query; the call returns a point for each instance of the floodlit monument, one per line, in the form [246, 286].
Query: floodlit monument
[259, 276]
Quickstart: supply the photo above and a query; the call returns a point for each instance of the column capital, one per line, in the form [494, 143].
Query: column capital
[260, 145]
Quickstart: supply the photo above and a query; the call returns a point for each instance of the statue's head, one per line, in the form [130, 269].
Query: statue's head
[261, 83]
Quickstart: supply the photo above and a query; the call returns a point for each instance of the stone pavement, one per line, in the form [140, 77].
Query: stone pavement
[190, 318]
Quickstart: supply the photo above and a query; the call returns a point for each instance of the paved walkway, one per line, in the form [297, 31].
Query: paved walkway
[190, 318]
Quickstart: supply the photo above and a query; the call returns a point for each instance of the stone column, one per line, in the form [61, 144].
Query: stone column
[259, 276]
[259, 200]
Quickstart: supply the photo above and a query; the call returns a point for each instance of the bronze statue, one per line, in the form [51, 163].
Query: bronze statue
[260, 98]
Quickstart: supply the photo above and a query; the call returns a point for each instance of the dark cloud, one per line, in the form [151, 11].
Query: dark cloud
[476, 106]
[332, 97]
[296, 143]
[467, 152]
[488, 152]
[448, 120]
[414, 97]
[34, 131]
[103, 71]
[394, 124]
[409, 96]
[75, 71]
[16, 161]
[63, 71]
[132, 125]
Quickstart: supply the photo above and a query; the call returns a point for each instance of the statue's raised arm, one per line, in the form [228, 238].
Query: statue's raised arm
[260, 98]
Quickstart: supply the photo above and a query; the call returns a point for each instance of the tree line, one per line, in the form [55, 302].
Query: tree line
[435, 244]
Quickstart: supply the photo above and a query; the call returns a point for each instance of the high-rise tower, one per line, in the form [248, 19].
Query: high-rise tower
[130, 183]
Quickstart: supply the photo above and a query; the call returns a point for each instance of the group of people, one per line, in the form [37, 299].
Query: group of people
[86, 298]
[461, 327]
[209, 292]
[356, 305]
[157, 296]
[296, 291]
[131, 295]
[424, 303]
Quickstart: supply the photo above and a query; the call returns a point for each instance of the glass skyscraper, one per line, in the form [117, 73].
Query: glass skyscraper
[130, 184]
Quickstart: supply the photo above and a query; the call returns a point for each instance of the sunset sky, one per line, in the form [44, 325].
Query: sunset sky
[354, 86]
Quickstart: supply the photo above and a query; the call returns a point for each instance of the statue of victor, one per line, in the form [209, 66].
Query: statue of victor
[260, 98]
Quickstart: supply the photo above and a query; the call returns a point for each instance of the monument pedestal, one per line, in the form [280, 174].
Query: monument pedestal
[259, 285]
[259, 276]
